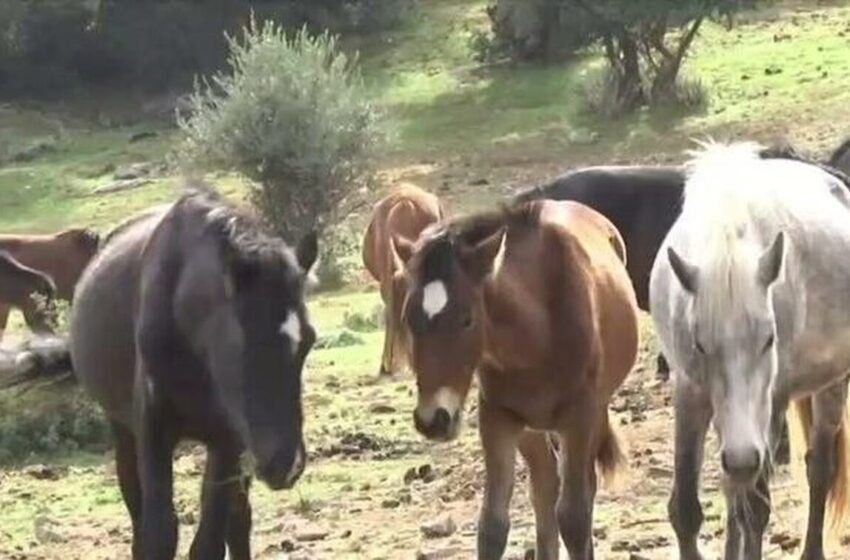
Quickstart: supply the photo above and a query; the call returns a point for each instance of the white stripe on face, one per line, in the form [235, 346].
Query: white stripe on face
[434, 298]
[291, 328]
[446, 398]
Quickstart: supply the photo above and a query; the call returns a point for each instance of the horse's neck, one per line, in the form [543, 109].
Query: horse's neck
[516, 324]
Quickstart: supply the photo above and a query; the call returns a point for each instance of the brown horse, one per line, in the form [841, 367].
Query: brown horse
[191, 324]
[19, 286]
[406, 211]
[537, 300]
[62, 256]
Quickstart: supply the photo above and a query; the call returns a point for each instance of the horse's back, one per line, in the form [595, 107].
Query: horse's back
[405, 212]
[102, 323]
[642, 202]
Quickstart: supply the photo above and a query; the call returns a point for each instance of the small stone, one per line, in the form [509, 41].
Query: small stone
[187, 518]
[440, 528]
[287, 545]
[44, 472]
[390, 503]
[381, 408]
[143, 135]
[311, 534]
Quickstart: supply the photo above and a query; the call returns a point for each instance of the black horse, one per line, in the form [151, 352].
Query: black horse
[190, 324]
[840, 158]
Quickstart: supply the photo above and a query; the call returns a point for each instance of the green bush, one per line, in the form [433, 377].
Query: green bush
[49, 420]
[292, 115]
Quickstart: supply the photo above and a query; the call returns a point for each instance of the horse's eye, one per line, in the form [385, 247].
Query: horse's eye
[699, 347]
[467, 321]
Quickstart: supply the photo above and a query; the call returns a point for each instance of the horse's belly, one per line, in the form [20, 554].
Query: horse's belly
[102, 347]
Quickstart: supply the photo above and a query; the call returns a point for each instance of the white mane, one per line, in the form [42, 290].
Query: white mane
[735, 205]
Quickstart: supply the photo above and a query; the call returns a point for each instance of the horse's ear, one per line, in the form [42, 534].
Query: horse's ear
[307, 251]
[686, 273]
[770, 263]
[484, 257]
[401, 249]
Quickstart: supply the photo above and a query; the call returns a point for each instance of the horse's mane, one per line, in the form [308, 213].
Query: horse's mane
[787, 151]
[839, 152]
[734, 197]
[476, 227]
[241, 232]
[438, 241]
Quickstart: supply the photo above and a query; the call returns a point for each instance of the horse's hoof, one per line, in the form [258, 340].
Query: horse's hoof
[384, 372]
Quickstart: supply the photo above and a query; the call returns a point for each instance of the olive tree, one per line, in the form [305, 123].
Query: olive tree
[291, 114]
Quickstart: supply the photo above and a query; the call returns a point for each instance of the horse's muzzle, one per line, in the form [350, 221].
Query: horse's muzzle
[442, 427]
[281, 474]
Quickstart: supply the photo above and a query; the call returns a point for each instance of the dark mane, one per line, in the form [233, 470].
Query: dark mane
[437, 247]
[242, 233]
[786, 151]
[839, 153]
[477, 227]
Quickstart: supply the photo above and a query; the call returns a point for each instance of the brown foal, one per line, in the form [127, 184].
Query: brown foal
[405, 211]
[537, 300]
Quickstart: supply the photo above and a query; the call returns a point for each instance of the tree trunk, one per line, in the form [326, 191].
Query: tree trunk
[630, 94]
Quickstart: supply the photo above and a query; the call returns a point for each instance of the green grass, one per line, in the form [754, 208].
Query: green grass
[468, 120]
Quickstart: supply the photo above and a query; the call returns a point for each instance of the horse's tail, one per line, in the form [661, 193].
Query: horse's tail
[610, 457]
[45, 359]
[838, 500]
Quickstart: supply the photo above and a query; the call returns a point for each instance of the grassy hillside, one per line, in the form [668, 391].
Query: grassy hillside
[780, 73]
[471, 133]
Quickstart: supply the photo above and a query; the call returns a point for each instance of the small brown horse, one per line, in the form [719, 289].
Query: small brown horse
[405, 211]
[19, 286]
[537, 300]
[191, 324]
[62, 256]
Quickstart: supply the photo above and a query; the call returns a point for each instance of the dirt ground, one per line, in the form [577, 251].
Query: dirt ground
[384, 493]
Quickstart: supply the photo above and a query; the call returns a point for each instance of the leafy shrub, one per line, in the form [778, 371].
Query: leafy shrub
[362, 322]
[338, 259]
[292, 115]
[688, 93]
[49, 420]
[340, 339]
[599, 93]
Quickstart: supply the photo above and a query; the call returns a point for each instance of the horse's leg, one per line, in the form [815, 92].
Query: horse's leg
[734, 536]
[574, 508]
[499, 437]
[222, 477]
[4, 318]
[822, 461]
[389, 339]
[156, 444]
[692, 417]
[757, 516]
[128, 481]
[662, 371]
[543, 479]
[239, 521]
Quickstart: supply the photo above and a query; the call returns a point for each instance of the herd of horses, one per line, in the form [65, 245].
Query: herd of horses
[738, 255]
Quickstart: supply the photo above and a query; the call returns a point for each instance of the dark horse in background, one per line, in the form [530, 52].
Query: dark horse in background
[840, 158]
[643, 202]
[190, 323]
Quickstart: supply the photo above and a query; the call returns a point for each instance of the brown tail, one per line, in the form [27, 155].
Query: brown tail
[610, 458]
[838, 501]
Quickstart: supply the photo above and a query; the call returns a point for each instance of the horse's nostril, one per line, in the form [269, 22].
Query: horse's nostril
[442, 421]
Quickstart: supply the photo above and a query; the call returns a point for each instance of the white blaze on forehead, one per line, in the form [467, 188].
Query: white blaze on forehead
[434, 298]
[291, 328]
[445, 397]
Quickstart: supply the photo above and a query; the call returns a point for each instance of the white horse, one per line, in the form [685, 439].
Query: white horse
[750, 294]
